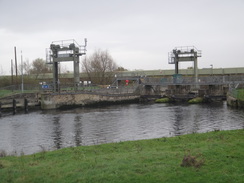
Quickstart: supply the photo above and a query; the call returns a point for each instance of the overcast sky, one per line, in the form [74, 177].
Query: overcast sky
[137, 33]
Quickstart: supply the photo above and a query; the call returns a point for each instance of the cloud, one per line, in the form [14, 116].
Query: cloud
[138, 33]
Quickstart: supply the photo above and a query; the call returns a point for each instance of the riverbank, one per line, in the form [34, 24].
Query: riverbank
[211, 157]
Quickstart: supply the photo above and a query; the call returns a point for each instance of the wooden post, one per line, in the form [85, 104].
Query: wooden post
[14, 106]
[12, 74]
[26, 105]
[0, 109]
[16, 66]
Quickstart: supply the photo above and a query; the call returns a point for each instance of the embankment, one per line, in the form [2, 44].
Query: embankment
[211, 157]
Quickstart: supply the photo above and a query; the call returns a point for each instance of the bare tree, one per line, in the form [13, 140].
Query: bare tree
[39, 66]
[99, 67]
[26, 67]
[121, 69]
[1, 71]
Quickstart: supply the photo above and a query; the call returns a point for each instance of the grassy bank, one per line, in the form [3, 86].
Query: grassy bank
[212, 157]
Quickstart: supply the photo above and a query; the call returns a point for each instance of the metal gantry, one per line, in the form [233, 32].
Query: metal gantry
[62, 51]
[185, 54]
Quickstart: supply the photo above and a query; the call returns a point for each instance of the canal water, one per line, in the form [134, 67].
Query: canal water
[50, 130]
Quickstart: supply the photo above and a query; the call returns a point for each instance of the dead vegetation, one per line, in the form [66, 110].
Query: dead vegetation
[192, 161]
[3, 153]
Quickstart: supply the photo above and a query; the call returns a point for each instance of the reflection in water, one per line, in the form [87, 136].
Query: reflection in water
[78, 131]
[196, 120]
[87, 126]
[57, 132]
[179, 113]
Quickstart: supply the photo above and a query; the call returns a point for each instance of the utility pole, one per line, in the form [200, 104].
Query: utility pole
[15, 55]
[22, 79]
[12, 72]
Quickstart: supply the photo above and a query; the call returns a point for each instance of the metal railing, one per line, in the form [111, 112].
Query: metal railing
[183, 51]
[190, 80]
[231, 81]
[96, 89]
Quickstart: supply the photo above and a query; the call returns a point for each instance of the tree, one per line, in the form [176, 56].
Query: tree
[26, 67]
[1, 70]
[39, 66]
[99, 67]
[121, 69]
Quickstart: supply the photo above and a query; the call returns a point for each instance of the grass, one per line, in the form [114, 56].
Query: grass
[211, 157]
[240, 94]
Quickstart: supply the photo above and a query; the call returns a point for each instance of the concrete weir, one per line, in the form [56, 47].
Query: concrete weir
[64, 100]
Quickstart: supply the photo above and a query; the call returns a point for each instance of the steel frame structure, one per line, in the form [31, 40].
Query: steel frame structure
[62, 51]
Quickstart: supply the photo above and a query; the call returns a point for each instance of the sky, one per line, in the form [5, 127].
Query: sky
[137, 33]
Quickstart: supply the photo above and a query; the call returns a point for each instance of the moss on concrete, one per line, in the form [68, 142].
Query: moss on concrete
[196, 100]
[162, 100]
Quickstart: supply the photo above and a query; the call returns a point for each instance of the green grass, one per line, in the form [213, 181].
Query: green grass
[240, 94]
[211, 157]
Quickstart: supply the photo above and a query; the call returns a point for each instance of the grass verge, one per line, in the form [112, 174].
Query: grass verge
[211, 157]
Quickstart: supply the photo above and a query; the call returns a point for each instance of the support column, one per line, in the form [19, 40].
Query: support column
[14, 107]
[76, 72]
[55, 76]
[26, 105]
[196, 69]
[176, 67]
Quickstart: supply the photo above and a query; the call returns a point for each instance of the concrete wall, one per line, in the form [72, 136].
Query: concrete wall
[211, 90]
[55, 101]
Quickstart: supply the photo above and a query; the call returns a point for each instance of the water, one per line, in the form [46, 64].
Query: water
[49, 130]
